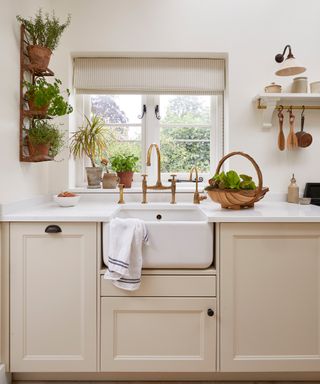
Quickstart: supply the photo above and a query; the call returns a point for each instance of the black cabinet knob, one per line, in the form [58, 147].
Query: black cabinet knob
[53, 229]
[210, 312]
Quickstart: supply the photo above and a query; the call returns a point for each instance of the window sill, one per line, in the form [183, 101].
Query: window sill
[136, 188]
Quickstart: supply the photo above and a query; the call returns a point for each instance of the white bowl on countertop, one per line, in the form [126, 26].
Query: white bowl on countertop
[66, 201]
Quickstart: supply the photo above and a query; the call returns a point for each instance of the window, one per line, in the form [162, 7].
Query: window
[188, 132]
[188, 93]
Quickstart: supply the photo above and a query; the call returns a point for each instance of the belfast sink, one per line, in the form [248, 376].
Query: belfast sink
[179, 236]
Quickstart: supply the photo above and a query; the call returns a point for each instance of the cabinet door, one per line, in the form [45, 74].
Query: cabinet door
[158, 334]
[53, 298]
[270, 297]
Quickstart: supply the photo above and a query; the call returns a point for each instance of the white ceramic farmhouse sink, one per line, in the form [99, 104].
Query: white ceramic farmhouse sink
[179, 236]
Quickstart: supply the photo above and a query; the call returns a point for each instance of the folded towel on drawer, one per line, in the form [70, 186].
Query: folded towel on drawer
[123, 252]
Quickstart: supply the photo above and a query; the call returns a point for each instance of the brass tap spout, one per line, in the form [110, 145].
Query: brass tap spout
[158, 183]
[196, 196]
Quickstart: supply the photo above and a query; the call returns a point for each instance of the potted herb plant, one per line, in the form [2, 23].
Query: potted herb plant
[46, 98]
[125, 165]
[90, 140]
[44, 139]
[44, 32]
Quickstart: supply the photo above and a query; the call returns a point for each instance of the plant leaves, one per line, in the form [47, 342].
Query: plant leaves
[245, 177]
[233, 180]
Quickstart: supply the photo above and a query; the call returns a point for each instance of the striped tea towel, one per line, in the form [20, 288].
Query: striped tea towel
[126, 238]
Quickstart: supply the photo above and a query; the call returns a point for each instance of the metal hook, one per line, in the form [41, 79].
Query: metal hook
[303, 109]
[144, 111]
[290, 109]
[280, 108]
[157, 111]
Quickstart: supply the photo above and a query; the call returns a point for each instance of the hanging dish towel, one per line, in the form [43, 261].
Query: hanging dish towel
[124, 252]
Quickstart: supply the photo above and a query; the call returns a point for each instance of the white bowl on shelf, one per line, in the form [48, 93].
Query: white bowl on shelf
[66, 201]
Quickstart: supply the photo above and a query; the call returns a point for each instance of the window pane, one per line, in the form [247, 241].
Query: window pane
[185, 133]
[119, 112]
[117, 109]
[185, 109]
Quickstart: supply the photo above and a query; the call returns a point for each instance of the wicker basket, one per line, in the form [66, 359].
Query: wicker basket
[238, 199]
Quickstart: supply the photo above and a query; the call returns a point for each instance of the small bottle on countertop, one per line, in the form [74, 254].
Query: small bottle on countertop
[293, 191]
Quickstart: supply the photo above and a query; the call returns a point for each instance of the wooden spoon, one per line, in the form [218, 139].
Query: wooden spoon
[292, 141]
[281, 138]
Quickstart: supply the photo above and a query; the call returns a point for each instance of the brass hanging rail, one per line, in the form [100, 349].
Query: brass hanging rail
[278, 107]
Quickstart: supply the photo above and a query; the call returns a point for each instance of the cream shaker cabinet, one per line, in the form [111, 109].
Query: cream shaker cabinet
[156, 333]
[53, 297]
[270, 297]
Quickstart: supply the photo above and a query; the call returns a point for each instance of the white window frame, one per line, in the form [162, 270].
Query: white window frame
[150, 133]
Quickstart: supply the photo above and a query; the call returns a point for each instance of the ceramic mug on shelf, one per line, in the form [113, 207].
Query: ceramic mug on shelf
[315, 87]
[300, 85]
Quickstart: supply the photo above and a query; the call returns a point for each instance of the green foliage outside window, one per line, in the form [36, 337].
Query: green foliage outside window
[179, 155]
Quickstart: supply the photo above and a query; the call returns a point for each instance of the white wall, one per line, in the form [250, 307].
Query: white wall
[17, 180]
[250, 32]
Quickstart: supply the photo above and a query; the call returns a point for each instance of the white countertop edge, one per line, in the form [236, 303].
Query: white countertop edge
[98, 211]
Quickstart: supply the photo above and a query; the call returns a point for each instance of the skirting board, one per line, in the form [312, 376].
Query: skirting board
[158, 376]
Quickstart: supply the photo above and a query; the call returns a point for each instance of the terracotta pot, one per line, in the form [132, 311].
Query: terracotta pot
[41, 110]
[94, 176]
[38, 149]
[125, 178]
[39, 57]
[110, 181]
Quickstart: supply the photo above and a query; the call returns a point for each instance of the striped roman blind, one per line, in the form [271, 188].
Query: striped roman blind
[143, 75]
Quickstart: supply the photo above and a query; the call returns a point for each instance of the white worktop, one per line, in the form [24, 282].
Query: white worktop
[99, 210]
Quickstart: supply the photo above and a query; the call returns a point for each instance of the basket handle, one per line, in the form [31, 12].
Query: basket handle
[256, 166]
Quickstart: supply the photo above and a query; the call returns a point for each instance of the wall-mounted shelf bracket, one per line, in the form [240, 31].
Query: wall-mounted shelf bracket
[269, 102]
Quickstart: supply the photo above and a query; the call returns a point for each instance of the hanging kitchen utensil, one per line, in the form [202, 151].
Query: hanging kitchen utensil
[292, 141]
[281, 138]
[304, 138]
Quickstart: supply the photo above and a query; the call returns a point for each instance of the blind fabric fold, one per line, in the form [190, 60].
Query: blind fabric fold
[149, 75]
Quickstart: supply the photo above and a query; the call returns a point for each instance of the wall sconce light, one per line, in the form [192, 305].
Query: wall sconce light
[289, 66]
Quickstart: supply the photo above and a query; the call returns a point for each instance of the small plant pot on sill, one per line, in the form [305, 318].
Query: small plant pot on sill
[125, 178]
[94, 176]
[39, 57]
[110, 180]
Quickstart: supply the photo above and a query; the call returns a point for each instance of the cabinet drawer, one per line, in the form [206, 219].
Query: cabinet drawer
[144, 334]
[159, 285]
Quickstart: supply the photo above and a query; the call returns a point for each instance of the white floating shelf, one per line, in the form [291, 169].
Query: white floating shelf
[268, 102]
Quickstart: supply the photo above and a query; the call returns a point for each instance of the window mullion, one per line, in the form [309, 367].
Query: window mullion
[152, 135]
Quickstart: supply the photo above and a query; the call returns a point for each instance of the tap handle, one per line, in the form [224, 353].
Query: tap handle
[121, 199]
[144, 188]
[173, 188]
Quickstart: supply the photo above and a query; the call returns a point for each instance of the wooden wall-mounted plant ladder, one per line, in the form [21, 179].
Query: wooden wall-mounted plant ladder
[27, 116]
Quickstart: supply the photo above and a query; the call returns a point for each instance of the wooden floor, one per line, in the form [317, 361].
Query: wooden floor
[165, 382]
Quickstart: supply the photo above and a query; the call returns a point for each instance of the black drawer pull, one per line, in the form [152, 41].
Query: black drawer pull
[210, 312]
[53, 229]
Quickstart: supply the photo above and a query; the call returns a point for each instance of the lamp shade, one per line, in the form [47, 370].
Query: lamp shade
[290, 67]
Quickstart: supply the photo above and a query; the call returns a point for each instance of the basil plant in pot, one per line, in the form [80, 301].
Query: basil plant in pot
[43, 35]
[90, 140]
[125, 165]
[46, 98]
[44, 140]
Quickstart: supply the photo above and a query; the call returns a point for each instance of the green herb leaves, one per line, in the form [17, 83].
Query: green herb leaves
[123, 163]
[231, 180]
[44, 30]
